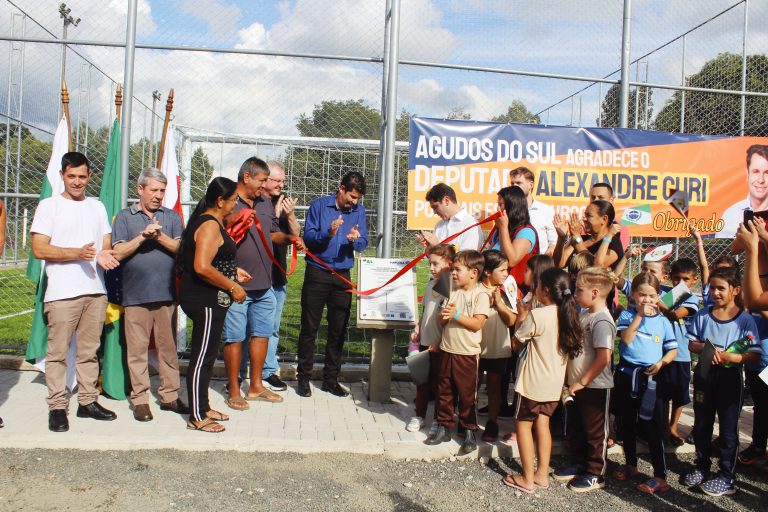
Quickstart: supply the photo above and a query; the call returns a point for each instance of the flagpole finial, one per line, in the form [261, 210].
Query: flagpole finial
[168, 109]
[65, 103]
[169, 101]
[119, 100]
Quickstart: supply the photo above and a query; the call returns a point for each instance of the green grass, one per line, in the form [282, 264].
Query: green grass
[17, 297]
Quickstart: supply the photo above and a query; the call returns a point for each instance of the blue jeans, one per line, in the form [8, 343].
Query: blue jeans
[271, 366]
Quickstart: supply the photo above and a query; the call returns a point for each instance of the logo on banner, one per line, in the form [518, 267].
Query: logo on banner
[636, 216]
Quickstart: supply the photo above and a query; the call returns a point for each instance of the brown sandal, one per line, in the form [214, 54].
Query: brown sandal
[207, 425]
[237, 403]
[216, 415]
[265, 396]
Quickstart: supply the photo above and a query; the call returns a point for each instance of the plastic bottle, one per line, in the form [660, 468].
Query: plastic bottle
[648, 402]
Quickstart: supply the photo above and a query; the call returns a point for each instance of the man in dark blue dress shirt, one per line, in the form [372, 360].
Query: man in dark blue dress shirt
[334, 229]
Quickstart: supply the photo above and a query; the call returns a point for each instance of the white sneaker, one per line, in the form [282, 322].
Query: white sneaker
[415, 424]
[432, 430]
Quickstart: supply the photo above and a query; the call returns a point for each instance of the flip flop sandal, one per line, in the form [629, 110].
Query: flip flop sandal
[652, 486]
[265, 396]
[216, 415]
[207, 425]
[625, 473]
[541, 486]
[511, 481]
[237, 403]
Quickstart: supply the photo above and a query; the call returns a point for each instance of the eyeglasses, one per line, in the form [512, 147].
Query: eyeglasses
[276, 180]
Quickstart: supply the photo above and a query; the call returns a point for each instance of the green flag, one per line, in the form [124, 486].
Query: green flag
[37, 344]
[114, 380]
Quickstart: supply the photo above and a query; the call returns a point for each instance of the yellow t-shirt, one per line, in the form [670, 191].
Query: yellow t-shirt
[542, 373]
[457, 339]
[496, 341]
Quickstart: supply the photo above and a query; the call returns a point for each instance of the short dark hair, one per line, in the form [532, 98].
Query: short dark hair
[524, 172]
[756, 149]
[74, 159]
[353, 180]
[684, 266]
[493, 260]
[725, 260]
[470, 258]
[252, 166]
[604, 185]
[441, 191]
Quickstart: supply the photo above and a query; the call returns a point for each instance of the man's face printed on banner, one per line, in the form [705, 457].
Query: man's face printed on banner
[757, 178]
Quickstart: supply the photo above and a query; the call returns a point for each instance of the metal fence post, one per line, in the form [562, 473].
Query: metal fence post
[743, 115]
[626, 59]
[125, 142]
[387, 179]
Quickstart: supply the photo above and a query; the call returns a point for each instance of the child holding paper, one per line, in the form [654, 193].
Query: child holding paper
[429, 331]
[733, 333]
[462, 319]
[675, 379]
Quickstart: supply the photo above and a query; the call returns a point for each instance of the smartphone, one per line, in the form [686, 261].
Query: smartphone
[748, 216]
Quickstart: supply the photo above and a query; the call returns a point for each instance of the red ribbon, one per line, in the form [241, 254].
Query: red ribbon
[414, 261]
[238, 228]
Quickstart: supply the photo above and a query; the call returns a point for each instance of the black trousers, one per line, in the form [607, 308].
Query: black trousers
[759, 390]
[588, 429]
[628, 409]
[322, 289]
[722, 394]
[207, 324]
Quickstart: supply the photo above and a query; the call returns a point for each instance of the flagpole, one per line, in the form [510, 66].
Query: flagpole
[65, 104]
[125, 143]
[168, 109]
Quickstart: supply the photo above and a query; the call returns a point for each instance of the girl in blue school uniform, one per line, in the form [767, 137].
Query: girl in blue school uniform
[648, 344]
[726, 325]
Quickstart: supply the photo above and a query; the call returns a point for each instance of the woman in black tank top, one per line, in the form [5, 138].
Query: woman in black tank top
[208, 287]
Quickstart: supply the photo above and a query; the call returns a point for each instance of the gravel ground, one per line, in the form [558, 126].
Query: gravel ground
[161, 480]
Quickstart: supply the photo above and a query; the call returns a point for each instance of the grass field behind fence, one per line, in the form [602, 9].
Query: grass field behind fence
[17, 297]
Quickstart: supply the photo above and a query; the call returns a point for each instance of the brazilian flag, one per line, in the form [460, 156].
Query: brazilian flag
[115, 378]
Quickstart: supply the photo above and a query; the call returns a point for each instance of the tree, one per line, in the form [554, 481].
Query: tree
[202, 172]
[458, 113]
[611, 107]
[350, 119]
[517, 112]
[719, 114]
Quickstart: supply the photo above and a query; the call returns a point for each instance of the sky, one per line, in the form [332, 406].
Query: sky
[265, 95]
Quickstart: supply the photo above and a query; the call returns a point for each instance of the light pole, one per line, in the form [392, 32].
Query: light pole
[64, 12]
[152, 123]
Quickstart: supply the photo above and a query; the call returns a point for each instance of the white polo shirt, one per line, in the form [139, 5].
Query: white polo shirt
[543, 219]
[462, 220]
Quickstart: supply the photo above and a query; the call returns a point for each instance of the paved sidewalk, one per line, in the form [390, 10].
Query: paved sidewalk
[322, 423]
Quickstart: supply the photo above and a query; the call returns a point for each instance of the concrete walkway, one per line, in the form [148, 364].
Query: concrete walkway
[322, 423]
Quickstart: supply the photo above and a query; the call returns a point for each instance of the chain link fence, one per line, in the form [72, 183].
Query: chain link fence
[301, 82]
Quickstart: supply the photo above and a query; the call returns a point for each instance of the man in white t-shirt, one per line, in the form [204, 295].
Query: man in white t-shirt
[757, 199]
[542, 215]
[71, 233]
[453, 219]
